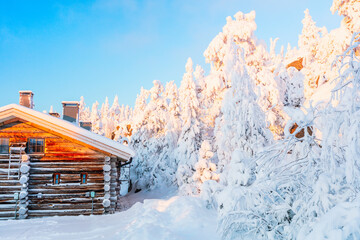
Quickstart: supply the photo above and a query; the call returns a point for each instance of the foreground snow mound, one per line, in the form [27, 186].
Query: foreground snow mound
[176, 218]
[341, 222]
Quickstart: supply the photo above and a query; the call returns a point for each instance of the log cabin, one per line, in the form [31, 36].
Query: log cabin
[53, 167]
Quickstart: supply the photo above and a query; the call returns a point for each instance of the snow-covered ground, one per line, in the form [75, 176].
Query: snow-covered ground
[173, 217]
[341, 222]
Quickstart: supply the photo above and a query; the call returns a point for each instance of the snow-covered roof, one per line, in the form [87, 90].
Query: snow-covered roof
[67, 129]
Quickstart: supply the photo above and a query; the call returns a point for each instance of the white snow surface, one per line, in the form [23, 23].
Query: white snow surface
[174, 217]
[341, 222]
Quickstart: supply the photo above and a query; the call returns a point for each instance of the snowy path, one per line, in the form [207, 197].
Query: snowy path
[175, 218]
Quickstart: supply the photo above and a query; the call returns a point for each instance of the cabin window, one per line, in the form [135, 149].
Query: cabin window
[36, 145]
[4, 145]
[83, 178]
[56, 178]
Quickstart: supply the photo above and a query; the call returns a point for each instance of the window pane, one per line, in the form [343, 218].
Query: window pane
[83, 178]
[56, 178]
[36, 145]
[4, 145]
[40, 145]
[32, 148]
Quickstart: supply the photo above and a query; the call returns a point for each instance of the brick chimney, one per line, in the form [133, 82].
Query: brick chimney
[71, 111]
[26, 99]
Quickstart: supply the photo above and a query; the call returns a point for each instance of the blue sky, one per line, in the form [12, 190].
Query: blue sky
[62, 50]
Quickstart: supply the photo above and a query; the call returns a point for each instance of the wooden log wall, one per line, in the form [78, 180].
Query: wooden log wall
[64, 156]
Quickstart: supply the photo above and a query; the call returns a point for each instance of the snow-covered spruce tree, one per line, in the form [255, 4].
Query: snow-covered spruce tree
[115, 110]
[107, 122]
[96, 120]
[116, 117]
[171, 96]
[172, 129]
[309, 42]
[310, 37]
[240, 31]
[205, 169]
[84, 112]
[156, 165]
[140, 105]
[242, 124]
[104, 111]
[190, 137]
[139, 139]
[166, 114]
[260, 66]
[206, 104]
[241, 134]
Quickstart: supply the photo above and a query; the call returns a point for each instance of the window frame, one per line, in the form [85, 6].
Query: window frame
[54, 178]
[28, 148]
[81, 178]
[8, 146]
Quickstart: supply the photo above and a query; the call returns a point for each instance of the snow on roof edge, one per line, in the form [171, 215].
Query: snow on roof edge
[75, 131]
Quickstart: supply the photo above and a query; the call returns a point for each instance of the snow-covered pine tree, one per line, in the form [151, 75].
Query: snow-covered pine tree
[309, 38]
[139, 139]
[242, 124]
[309, 48]
[171, 95]
[105, 108]
[205, 169]
[190, 137]
[95, 119]
[107, 122]
[140, 105]
[241, 32]
[152, 141]
[84, 112]
[115, 110]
